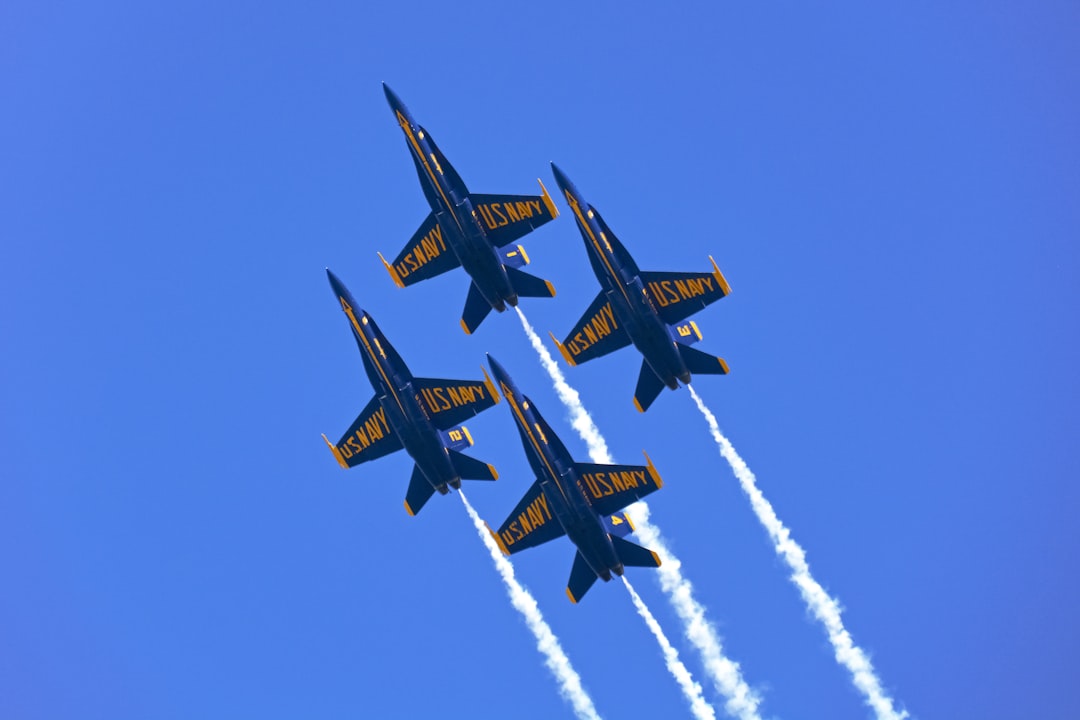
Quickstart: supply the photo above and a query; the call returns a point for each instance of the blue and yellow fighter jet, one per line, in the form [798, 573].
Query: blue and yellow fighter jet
[473, 231]
[421, 415]
[579, 500]
[643, 308]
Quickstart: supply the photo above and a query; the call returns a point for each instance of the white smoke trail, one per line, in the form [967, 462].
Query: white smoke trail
[692, 690]
[570, 686]
[824, 607]
[742, 702]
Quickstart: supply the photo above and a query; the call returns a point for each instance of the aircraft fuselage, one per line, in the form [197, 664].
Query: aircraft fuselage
[453, 209]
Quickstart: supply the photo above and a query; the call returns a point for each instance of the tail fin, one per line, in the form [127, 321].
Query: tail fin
[471, 468]
[649, 386]
[526, 285]
[420, 491]
[634, 555]
[476, 309]
[582, 578]
[703, 363]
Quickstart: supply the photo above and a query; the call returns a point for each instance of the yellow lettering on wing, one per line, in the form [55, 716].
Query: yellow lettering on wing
[445, 398]
[598, 327]
[427, 249]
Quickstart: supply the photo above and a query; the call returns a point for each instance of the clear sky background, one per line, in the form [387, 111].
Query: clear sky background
[892, 191]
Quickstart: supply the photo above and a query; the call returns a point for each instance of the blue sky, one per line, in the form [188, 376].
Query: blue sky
[891, 192]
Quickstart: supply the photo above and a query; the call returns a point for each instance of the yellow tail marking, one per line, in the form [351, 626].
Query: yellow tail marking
[571, 596]
[656, 558]
[393, 273]
[629, 522]
[409, 509]
[524, 255]
[494, 472]
[547, 200]
[550, 288]
[696, 330]
[562, 349]
[720, 278]
[468, 435]
[723, 365]
[465, 327]
[490, 387]
[337, 455]
[638, 405]
[652, 470]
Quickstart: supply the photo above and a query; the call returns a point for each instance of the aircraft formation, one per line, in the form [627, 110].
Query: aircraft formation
[479, 233]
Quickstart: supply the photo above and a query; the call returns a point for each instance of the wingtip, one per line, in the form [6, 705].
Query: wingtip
[562, 350]
[490, 385]
[720, 279]
[337, 453]
[390, 269]
[498, 540]
[548, 202]
[657, 480]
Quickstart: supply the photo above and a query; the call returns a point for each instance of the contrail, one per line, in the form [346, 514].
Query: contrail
[824, 607]
[742, 702]
[692, 690]
[570, 686]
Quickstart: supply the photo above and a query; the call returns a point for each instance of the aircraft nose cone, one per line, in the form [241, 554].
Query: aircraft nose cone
[560, 176]
[499, 371]
[394, 100]
[335, 283]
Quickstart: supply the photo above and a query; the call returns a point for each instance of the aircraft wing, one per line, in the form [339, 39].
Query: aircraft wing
[597, 333]
[369, 437]
[507, 218]
[423, 257]
[451, 402]
[678, 295]
[610, 488]
[531, 523]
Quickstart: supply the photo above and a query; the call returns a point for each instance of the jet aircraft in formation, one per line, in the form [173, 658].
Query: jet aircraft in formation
[579, 500]
[647, 309]
[421, 415]
[469, 230]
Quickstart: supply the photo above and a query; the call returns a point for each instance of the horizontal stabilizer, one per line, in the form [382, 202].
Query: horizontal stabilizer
[582, 578]
[457, 438]
[470, 468]
[618, 524]
[634, 555]
[420, 491]
[698, 362]
[526, 285]
[649, 386]
[514, 256]
[476, 309]
[686, 333]
[425, 256]
[507, 218]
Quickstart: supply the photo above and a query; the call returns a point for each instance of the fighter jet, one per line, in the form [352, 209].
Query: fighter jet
[579, 500]
[470, 230]
[421, 415]
[647, 309]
